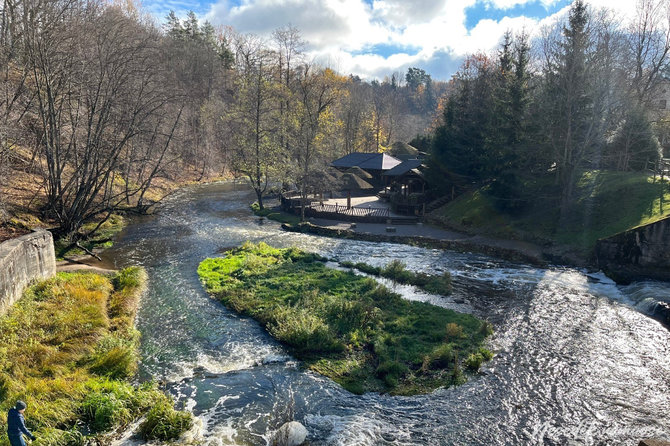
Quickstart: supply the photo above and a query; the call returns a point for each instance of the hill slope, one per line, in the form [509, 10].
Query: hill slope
[607, 203]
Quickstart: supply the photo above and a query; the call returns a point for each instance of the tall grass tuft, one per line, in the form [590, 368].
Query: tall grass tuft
[397, 271]
[163, 422]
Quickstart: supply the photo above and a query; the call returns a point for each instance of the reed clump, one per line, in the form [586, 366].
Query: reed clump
[397, 271]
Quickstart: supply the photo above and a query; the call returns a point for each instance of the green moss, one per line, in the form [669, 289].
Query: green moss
[344, 326]
[66, 348]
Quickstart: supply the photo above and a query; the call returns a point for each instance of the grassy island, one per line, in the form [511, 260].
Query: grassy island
[345, 326]
[68, 348]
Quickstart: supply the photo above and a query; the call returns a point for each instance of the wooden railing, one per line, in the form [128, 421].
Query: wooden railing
[354, 211]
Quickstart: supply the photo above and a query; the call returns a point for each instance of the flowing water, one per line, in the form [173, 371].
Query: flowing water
[577, 360]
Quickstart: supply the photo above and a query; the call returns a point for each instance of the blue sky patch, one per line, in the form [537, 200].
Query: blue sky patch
[161, 8]
[534, 9]
[386, 50]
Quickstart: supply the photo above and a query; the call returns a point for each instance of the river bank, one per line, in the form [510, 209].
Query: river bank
[75, 371]
[23, 200]
[430, 235]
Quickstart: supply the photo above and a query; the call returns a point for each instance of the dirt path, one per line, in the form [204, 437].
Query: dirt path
[79, 265]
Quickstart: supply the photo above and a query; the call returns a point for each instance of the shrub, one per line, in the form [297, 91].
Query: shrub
[130, 278]
[454, 331]
[391, 372]
[112, 403]
[391, 368]
[103, 410]
[304, 332]
[397, 272]
[457, 374]
[486, 329]
[474, 361]
[115, 358]
[442, 357]
[368, 269]
[486, 353]
[421, 280]
[58, 437]
[163, 422]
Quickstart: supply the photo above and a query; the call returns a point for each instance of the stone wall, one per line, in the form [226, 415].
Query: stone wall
[638, 253]
[23, 260]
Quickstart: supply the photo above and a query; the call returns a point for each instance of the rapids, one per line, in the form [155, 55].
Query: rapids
[577, 361]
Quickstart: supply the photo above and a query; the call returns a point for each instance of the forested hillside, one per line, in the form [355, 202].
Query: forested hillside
[527, 132]
[102, 108]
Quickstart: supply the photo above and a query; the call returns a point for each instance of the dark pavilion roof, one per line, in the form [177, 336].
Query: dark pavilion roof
[403, 168]
[367, 161]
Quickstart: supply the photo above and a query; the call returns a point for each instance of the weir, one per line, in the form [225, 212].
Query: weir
[642, 252]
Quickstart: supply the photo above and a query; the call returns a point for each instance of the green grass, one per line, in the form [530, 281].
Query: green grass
[344, 326]
[101, 239]
[606, 203]
[274, 214]
[67, 348]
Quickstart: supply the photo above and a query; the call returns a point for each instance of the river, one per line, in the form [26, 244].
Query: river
[577, 361]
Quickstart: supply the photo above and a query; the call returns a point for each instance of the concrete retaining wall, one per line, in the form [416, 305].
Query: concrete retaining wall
[23, 260]
[642, 252]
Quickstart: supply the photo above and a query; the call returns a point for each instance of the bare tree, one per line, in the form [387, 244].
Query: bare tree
[253, 116]
[316, 93]
[289, 48]
[648, 38]
[94, 97]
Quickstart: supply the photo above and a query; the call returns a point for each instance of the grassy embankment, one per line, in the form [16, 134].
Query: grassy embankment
[344, 326]
[606, 203]
[275, 214]
[68, 348]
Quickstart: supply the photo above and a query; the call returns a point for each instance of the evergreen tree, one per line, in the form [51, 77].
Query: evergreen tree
[569, 99]
[173, 26]
[192, 27]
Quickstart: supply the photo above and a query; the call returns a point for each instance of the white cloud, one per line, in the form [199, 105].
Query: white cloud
[401, 13]
[507, 4]
[340, 32]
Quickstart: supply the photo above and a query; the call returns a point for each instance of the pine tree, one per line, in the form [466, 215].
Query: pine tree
[569, 99]
[173, 26]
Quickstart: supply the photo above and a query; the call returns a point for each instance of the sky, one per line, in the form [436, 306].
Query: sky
[375, 38]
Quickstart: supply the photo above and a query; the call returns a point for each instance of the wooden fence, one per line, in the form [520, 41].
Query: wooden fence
[314, 208]
[354, 211]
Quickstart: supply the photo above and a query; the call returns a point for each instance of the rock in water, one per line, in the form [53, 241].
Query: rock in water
[290, 434]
